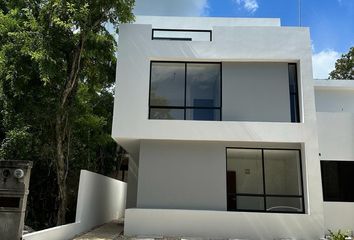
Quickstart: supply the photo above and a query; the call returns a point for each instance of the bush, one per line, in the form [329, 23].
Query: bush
[338, 235]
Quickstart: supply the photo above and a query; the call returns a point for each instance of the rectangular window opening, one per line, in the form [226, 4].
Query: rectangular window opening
[181, 34]
[185, 91]
[264, 180]
[294, 93]
[337, 181]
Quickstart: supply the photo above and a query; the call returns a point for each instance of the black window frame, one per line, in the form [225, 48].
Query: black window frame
[179, 30]
[342, 188]
[185, 107]
[294, 110]
[264, 195]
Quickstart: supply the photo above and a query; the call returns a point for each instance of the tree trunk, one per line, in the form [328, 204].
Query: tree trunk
[61, 132]
[61, 169]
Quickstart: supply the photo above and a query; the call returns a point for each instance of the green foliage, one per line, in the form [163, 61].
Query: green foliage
[58, 59]
[344, 66]
[337, 235]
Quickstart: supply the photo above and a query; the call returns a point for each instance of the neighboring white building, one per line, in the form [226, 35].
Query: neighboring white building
[219, 117]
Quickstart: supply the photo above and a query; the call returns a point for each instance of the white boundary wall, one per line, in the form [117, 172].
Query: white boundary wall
[219, 224]
[100, 199]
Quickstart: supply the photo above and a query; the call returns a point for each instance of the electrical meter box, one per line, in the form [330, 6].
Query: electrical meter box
[14, 183]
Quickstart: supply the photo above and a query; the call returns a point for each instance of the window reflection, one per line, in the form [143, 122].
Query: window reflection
[203, 85]
[189, 91]
[266, 180]
[167, 84]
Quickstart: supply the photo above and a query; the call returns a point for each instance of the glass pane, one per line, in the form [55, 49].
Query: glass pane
[292, 78]
[337, 181]
[203, 114]
[203, 85]
[284, 204]
[250, 203]
[167, 113]
[294, 108]
[282, 172]
[330, 180]
[167, 84]
[244, 170]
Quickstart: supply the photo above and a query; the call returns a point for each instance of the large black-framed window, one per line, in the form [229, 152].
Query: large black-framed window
[337, 181]
[294, 93]
[264, 180]
[185, 90]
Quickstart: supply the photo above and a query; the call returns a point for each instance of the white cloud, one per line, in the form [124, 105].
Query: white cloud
[171, 7]
[250, 5]
[323, 63]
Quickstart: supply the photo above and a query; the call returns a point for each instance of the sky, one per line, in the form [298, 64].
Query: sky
[331, 22]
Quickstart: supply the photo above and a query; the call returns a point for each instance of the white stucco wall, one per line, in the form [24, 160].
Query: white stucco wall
[204, 23]
[339, 215]
[335, 117]
[132, 188]
[332, 100]
[336, 135]
[255, 92]
[100, 199]
[220, 224]
[182, 175]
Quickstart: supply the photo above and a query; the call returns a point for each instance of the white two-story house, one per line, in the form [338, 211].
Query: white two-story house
[219, 118]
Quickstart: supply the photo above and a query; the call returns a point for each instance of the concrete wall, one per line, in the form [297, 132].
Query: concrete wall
[336, 135]
[255, 92]
[132, 188]
[339, 215]
[220, 224]
[63, 232]
[204, 23]
[331, 100]
[182, 175]
[335, 117]
[100, 200]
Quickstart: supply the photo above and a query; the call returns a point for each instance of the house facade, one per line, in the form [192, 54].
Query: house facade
[219, 118]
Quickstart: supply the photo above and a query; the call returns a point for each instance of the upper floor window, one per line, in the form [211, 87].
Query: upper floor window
[182, 34]
[293, 92]
[185, 91]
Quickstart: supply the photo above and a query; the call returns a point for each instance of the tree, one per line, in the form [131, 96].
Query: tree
[51, 50]
[344, 66]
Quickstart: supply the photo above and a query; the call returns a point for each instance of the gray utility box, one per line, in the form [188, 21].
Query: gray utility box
[14, 182]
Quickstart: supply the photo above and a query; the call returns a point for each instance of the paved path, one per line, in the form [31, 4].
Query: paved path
[108, 231]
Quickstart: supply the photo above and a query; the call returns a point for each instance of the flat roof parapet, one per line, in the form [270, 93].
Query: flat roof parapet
[208, 23]
[334, 84]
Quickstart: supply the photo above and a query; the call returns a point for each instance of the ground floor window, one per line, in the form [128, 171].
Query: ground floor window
[337, 181]
[264, 180]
